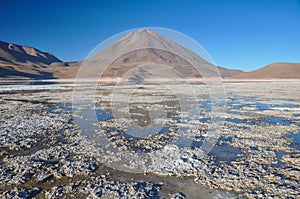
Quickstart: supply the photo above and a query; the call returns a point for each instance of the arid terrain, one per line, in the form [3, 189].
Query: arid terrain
[23, 62]
[273, 71]
[146, 117]
[46, 151]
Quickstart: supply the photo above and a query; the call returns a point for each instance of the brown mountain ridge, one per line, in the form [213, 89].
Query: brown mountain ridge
[23, 62]
[18, 61]
[154, 55]
[280, 70]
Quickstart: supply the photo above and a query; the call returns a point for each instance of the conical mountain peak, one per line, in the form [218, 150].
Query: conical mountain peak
[143, 47]
[140, 48]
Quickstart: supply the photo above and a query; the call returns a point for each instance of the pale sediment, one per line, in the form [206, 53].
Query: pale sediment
[43, 151]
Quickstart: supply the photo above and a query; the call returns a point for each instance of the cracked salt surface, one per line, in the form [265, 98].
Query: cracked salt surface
[255, 148]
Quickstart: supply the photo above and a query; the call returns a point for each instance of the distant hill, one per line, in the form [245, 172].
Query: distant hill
[24, 54]
[228, 73]
[18, 61]
[280, 70]
[162, 52]
[23, 62]
[151, 52]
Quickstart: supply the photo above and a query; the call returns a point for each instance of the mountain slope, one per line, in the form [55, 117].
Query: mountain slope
[20, 62]
[23, 55]
[145, 47]
[228, 73]
[280, 70]
[23, 71]
[142, 54]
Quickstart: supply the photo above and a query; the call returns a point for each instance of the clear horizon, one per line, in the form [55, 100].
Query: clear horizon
[236, 34]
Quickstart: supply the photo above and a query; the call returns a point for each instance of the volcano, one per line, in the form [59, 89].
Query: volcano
[139, 54]
[145, 53]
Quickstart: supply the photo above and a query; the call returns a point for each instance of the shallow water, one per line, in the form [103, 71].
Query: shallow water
[57, 107]
[31, 82]
[88, 117]
[279, 155]
[247, 118]
[225, 153]
[296, 143]
[221, 152]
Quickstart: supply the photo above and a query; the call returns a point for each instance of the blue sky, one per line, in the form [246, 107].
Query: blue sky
[239, 34]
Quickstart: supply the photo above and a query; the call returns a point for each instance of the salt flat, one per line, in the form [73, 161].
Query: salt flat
[64, 140]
